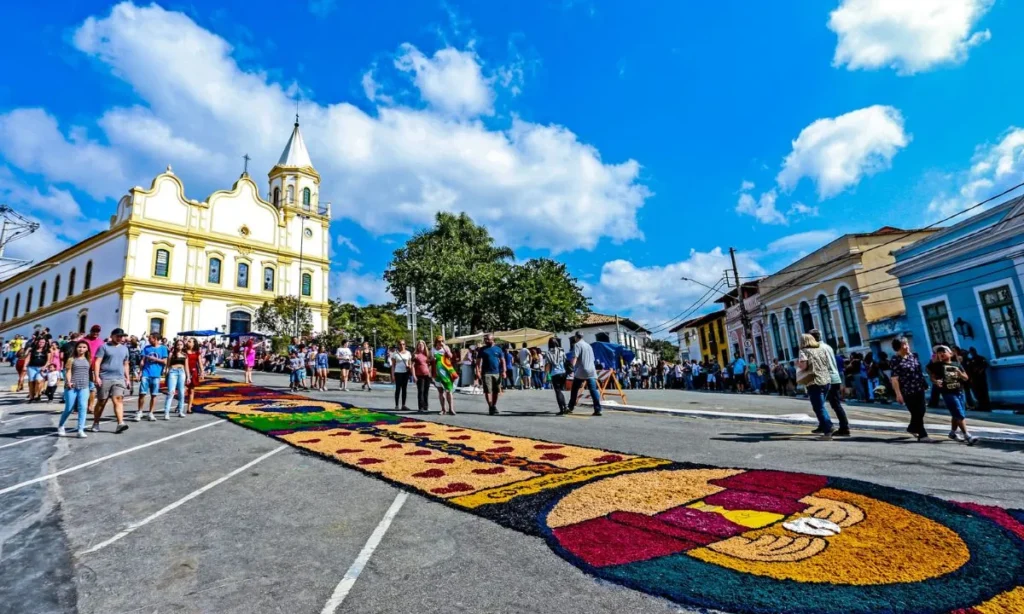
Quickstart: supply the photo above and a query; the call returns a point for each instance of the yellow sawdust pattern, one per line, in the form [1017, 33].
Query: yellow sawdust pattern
[644, 493]
[890, 546]
[521, 447]
[1010, 602]
[398, 466]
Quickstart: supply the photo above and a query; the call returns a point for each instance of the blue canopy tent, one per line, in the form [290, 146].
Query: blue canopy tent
[610, 354]
[234, 336]
[199, 333]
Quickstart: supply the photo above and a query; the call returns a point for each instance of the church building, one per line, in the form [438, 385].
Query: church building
[169, 263]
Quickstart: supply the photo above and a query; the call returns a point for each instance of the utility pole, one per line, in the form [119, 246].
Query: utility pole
[618, 331]
[744, 317]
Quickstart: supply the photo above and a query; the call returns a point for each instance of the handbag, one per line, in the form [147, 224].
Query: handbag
[805, 377]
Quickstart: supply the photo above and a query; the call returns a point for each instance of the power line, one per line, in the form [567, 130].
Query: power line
[685, 313]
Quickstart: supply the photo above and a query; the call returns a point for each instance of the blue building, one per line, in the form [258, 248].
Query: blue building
[963, 286]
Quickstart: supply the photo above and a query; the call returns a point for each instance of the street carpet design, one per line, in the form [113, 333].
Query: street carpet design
[735, 540]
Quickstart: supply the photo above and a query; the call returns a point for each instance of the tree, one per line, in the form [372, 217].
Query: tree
[543, 295]
[461, 277]
[664, 349]
[278, 316]
[358, 323]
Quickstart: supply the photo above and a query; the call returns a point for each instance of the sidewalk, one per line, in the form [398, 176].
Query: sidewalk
[796, 410]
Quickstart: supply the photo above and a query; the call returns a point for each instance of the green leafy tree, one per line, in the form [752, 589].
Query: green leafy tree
[664, 349]
[358, 323]
[461, 277]
[279, 317]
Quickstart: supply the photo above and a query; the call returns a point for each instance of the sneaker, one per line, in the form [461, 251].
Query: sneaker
[167, 416]
[82, 435]
[954, 436]
[924, 439]
[61, 432]
[95, 428]
[826, 436]
[842, 433]
[151, 417]
[181, 414]
[818, 431]
[121, 428]
[596, 413]
[493, 411]
[971, 440]
[138, 416]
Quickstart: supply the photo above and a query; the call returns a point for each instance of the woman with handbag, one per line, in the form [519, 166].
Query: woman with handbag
[813, 373]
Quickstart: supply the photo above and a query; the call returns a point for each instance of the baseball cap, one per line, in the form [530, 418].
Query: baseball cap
[117, 332]
[95, 328]
[814, 331]
[942, 349]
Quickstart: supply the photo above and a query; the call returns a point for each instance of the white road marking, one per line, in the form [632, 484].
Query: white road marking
[27, 417]
[192, 495]
[103, 458]
[341, 591]
[7, 445]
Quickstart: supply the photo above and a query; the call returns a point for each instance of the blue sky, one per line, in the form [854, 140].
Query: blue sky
[635, 141]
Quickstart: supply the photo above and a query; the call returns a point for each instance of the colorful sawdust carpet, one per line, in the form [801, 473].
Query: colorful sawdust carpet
[744, 541]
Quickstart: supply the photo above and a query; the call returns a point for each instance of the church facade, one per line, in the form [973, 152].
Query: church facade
[171, 264]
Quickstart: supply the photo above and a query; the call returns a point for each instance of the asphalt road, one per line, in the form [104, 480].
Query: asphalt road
[279, 535]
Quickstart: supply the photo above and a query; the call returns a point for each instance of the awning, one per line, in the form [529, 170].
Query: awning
[199, 333]
[530, 336]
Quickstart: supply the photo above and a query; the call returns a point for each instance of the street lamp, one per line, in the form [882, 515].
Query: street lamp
[702, 284]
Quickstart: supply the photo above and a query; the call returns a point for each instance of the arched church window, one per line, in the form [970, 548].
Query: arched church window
[307, 198]
[243, 275]
[213, 276]
[290, 194]
[56, 290]
[71, 283]
[163, 263]
[268, 279]
[42, 294]
[277, 197]
[88, 276]
[7, 302]
[28, 302]
[307, 284]
[17, 304]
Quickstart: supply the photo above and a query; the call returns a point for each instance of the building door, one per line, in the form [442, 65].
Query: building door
[759, 348]
[241, 322]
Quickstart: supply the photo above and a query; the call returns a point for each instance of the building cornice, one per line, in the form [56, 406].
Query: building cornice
[67, 303]
[70, 252]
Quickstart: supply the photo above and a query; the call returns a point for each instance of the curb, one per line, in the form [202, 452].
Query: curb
[984, 433]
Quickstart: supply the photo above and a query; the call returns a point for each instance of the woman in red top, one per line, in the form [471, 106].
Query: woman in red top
[194, 364]
[421, 360]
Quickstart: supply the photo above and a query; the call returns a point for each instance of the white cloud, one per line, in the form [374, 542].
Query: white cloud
[802, 241]
[372, 89]
[837, 152]
[909, 36]
[994, 168]
[451, 81]
[746, 186]
[799, 208]
[352, 286]
[655, 294]
[763, 208]
[344, 241]
[389, 171]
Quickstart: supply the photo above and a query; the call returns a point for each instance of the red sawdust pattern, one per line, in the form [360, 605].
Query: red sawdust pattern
[501, 449]
[346, 451]
[743, 500]
[371, 440]
[491, 471]
[608, 458]
[552, 456]
[546, 446]
[452, 488]
[310, 441]
[391, 446]
[341, 434]
[602, 541]
[462, 437]
[418, 453]
[411, 426]
[654, 525]
[423, 434]
[781, 483]
[502, 441]
[370, 461]
[699, 522]
[442, 461]
[455, 430]
[429, 473]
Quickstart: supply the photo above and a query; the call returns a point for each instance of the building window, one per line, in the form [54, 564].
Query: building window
[240, 322]
[268, 279]
[71, 283]
[805, 317]
[7, 302]
[721, 336]
[703, 340]
[42, 295]
[213, 275]
[936, 322]
[17, 304]
[56, 290]
[162, 264]
[828, 330]
[603, 337]
[28, 301]
[156, 325]
[1003, 322]
[289, 194]
[277, 197]
[307, 198]
[88, 276]
[776, 336]
[243, 275]
[81, 322]
[849, 317]
[794, 344]
[307, 284]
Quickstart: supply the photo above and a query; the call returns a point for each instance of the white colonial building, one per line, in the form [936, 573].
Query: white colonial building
[599, 327]
[169, 263]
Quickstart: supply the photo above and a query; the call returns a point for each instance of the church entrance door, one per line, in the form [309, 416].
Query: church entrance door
[241, 322]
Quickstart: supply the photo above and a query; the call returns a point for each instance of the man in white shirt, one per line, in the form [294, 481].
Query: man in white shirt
[584, 372]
